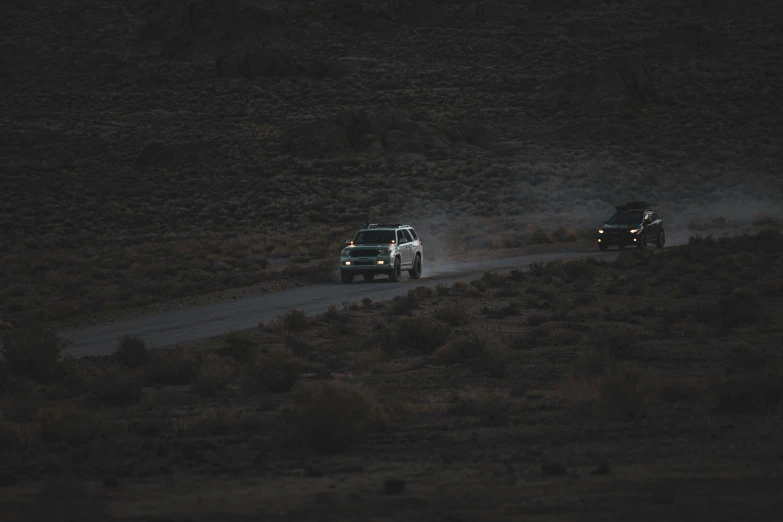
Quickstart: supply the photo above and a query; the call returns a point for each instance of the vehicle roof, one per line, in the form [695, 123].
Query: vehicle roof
[376, 226]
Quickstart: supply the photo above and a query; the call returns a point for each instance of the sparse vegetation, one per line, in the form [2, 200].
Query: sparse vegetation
[332, 416]
[274, 371]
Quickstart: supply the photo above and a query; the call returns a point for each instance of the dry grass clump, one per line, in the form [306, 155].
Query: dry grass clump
[239, 346]
[172, 366]
[414, 334]
[215, 373]
[331, 416]
[453, 315]
[116, 385]
[273, 371]
[485, 352]
[741, 307]
[292, 321]
[492, 408]
[618, 343]
[132, 352]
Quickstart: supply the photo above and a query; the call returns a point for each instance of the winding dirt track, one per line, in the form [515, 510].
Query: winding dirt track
[202, 322]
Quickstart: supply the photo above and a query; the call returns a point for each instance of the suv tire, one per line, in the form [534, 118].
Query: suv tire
[368, 277]
[661, 241]
[394, 277]
[346, 277]
[415, 272]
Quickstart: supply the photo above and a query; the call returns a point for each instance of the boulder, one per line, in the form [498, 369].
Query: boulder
[618, 85]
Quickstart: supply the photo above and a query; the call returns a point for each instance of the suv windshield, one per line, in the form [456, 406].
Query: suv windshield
[626, 218]
[374, 237]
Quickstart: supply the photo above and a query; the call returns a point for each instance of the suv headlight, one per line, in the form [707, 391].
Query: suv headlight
[634, 230]
[345, 251]
[384, 251]
[600, 231]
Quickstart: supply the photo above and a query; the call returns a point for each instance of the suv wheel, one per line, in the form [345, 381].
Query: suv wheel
[368, 277]
[643, 242]
[397, 273]
[661, 240]
[346, 277]
[415, 272]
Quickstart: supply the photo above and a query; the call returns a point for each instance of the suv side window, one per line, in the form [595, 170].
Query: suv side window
[654, 216]
[405, 233]
[413, 233]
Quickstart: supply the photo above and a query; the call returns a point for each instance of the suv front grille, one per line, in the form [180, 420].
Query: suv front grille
[364, 252]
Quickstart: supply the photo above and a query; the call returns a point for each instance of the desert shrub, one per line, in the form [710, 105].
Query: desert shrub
[172, 367]
[132, 352]
[741, 307]
[297, 345]
[493, 280]
[629, 259]
[214, 374]
[511, 309]
[404, 305]
[539, 237]
[620, 394]
[240, 346]
[60, 425]
[491, 408]
[620, 344]
[486, 353]
[454, 315]
[442, 290]
[274, 371]
[580, 270]
[507, 292]
[418, 334]
[331, 416]
[335, 316]
[294, 321]
[759, 391]
[31, 352]
[562, 234]
[516, 275]
[367, 303]
[116, 385]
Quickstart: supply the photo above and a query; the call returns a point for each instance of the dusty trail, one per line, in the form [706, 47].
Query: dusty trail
[202, 322]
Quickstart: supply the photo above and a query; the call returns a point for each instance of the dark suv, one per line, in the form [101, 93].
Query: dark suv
[633, 224]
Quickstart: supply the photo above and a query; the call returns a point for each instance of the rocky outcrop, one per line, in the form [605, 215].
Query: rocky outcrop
[618, 85]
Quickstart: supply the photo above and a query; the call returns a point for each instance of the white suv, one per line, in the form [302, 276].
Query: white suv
[382, 249]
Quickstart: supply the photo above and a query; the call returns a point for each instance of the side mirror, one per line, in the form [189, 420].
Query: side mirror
[347, 241]
[403, 240]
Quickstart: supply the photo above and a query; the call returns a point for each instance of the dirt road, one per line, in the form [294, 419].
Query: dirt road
[202, 322]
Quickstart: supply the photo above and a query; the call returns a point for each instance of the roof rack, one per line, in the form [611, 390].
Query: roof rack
[381, 225]
[633, 205]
